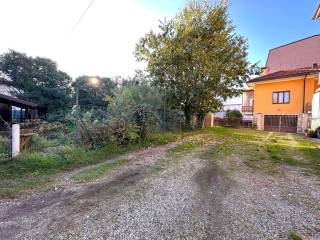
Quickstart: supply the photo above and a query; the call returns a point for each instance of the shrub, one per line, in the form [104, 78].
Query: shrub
[39, 143]
[4, 147]
[310, 133]
[233, 118]
[122, 133]
[53, 130]
[92, 132]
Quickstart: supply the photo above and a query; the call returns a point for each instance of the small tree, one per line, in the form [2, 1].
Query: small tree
[136, 102]
[198, 58]
[233, 117]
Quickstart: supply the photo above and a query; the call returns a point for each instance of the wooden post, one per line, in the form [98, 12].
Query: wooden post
[15, 144]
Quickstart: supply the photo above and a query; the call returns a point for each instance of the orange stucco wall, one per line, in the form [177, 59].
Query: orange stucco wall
[263, 96]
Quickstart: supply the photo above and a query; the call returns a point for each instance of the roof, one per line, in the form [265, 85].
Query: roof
[317, 13]
[299, 54]
[16, 102]
[7, 89]
[4, 77]
[285, 74]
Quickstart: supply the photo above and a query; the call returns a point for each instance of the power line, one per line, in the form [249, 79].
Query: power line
[81, 17]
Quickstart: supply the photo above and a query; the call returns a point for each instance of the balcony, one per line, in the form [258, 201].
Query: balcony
[247, 109]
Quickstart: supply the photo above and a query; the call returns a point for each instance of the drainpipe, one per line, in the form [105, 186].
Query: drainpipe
[304, 93]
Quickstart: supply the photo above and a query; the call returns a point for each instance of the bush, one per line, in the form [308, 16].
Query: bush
[310, 133]
[40, 144]
[122, 133]
[54, 130]
[233, 118]
[4, 147]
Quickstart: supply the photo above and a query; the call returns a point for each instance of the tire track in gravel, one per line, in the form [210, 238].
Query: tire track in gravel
[69, 197]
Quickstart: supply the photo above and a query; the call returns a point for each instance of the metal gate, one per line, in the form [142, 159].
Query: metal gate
[281, 123]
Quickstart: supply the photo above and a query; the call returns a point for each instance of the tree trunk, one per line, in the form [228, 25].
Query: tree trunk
[188, 117]
[200, 119]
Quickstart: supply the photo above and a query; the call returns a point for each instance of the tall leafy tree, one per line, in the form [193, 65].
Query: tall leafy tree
[39, 80]
[197, 57]
[92, 96]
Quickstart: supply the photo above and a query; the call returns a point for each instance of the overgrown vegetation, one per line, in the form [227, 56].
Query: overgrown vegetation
[4, 147]
[47, 157]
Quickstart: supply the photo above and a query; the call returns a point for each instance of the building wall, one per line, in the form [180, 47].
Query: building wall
[263, 96]
[299, 54]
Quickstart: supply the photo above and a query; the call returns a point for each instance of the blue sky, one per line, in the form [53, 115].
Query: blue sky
[273, 23]
[104, 42]
[266, 24]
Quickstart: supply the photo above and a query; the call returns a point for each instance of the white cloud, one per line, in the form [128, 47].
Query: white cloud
[103, 43]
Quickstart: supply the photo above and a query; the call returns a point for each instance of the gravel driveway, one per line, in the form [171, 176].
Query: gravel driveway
[167, 196]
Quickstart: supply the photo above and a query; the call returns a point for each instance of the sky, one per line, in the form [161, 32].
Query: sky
[104, 41]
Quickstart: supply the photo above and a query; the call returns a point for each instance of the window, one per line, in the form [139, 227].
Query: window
[281, 97]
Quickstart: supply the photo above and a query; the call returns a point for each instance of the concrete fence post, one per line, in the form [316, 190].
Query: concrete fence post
[15, 144]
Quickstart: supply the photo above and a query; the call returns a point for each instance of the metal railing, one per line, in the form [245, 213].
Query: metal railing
[247, 109]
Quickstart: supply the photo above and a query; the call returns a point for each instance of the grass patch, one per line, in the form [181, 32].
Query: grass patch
[187, 146]
[294, 236]
[91, 174]
[259, 150]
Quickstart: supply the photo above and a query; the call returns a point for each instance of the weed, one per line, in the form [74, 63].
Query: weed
[294, 236]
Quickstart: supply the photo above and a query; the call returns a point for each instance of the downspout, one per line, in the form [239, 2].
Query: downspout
[304, 93]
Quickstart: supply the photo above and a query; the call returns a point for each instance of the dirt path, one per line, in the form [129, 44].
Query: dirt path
[189, 197]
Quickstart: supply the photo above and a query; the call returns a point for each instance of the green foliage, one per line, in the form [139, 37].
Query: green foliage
[93, 96]
[122, 133]
[39, 143]
[136, 103]
[54, 130]
[93, 132]
[36, 168]
[197, 57]
[233, 117]
[4, 147]
[38, 80]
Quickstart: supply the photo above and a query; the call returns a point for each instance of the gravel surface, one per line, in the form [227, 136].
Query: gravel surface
[189, 197]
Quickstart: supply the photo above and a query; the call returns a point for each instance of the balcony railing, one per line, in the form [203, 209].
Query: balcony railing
[247, 109]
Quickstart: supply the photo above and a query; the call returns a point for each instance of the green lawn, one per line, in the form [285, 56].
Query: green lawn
[267, 151]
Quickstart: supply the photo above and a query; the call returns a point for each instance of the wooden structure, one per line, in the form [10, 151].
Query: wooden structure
[14, 110]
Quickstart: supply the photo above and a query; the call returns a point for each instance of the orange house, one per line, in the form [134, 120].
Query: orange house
[282, 95]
